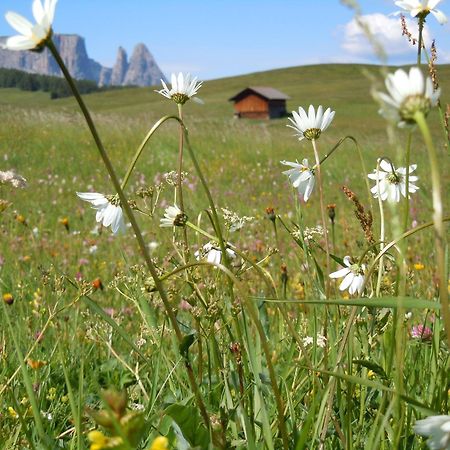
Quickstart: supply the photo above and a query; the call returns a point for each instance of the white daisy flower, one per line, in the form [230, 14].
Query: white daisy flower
[301, 176]
[438, 430]
[421, 9]
[31, 36]
[183, 88]
[109, 211]
[392, 182]
[311, 125]
[353, 276]
[173, 217]
[407, 94]
[212, 253]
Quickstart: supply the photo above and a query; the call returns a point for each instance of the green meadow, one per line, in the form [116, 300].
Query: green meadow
[86, 317]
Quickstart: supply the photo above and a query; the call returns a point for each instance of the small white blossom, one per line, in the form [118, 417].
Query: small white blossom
[137, 406]
[301, 176]
[47, 415]
[321, 341]
[10, 176]
[407, 95]
[183, 88]
[312, 233]
[353, 275]
[31, 36]
[437, 428]
[421, 9]
[173, 217]
[233, 221]
[310, 125]
[392, 182]
[212, 253]
[109, 211]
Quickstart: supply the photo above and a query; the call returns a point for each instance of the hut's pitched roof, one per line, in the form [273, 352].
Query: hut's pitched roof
[265, 92]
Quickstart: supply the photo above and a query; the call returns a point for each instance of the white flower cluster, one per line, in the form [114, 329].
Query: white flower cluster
[321, 341]
[233, 221]
[312, 233]
[13, 178]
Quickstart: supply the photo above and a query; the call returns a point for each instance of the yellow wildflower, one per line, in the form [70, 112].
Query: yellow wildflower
[419, 266]
[51, 394]
[36, 364]
[8, 298]
[370, 374]
[12, 413]
[160, 443]
[98, 440]
[65, 222]
[21, 219]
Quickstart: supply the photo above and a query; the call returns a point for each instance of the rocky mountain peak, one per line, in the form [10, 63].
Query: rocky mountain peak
[142, 70]
[120, 68]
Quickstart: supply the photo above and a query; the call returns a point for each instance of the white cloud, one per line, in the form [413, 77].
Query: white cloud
[385, 30]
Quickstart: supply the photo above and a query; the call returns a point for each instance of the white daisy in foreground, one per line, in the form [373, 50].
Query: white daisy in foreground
[407, 94]
[311, 125]
[183, 88]
[438, 430]
[173, 217]
[31, 36]
[109, 211]
[212, 253]
[392, 182]
[301, 176]
[421, 9]
[353, 276]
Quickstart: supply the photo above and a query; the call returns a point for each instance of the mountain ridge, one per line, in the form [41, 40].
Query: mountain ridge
[142, 69]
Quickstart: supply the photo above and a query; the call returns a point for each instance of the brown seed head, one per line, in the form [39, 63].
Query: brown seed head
[365, 219]
[270, 213]
[97, 284]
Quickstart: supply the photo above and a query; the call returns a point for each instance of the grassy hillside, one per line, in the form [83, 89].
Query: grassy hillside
[52, 255]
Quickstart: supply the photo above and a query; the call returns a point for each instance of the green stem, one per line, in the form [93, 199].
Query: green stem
[180, 158]
[395, 241]
[361, 160]
[419, 43]
[179, 180]
[141, 148]
[407, 161]
[128, 211]
[324, 221]
[382, 231]
[27, 382]
[440, 241]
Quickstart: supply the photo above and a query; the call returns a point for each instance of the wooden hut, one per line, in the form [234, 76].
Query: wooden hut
[260, 103]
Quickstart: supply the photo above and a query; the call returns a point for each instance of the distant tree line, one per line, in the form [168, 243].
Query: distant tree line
[57, 87]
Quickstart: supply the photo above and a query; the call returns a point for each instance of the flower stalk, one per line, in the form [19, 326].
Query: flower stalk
[323, 214]
[440, 241]
[382, 231]
[128, 211]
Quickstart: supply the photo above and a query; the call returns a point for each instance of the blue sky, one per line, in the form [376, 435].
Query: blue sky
[217, 38]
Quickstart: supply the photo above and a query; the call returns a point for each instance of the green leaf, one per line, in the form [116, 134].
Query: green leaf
[187, 341]
[371, 366]
[190, 423]
[376, 385]
[379, 302]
